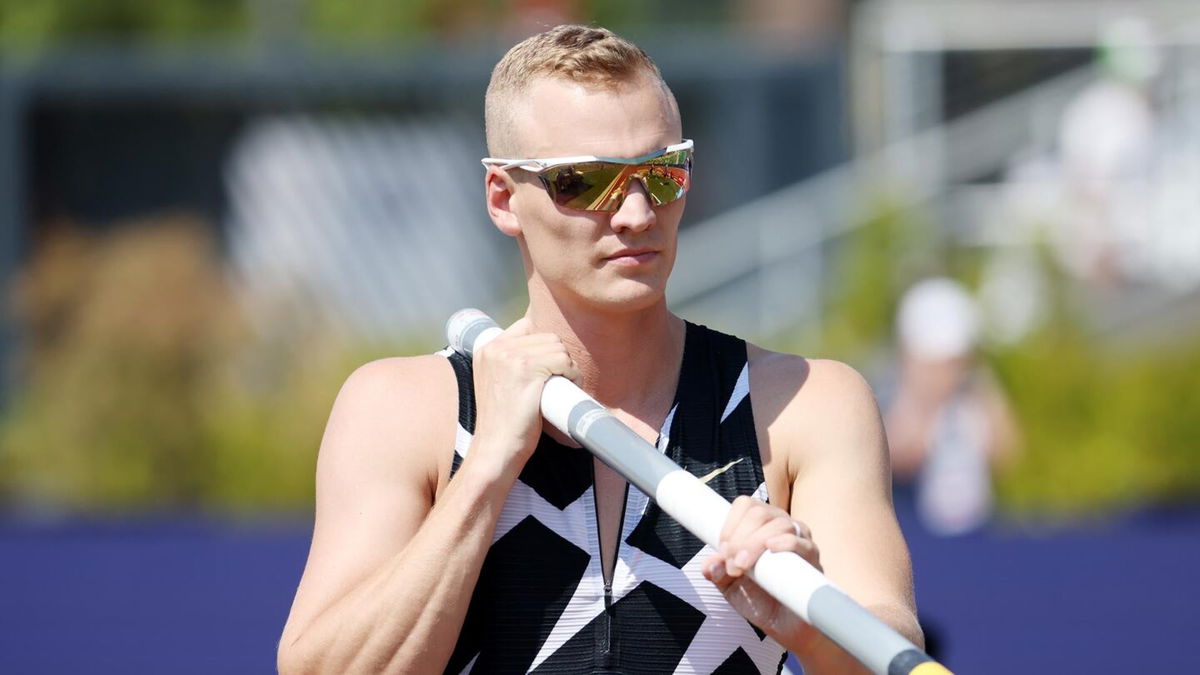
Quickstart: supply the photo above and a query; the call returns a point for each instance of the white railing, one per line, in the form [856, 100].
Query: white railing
[763, 264]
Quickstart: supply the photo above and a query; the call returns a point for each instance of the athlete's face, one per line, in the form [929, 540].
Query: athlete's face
[617, 260]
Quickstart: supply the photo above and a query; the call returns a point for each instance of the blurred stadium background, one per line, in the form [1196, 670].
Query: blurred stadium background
[211, 211]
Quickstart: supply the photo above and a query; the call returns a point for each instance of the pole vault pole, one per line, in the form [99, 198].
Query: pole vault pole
[786, 576]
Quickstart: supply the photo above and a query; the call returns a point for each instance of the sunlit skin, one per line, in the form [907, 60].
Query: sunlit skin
[576, 251]
[397, 546]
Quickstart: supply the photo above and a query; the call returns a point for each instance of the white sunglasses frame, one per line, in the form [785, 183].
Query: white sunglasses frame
[539, 165]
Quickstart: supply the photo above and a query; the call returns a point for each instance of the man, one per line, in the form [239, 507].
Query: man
[516, 551]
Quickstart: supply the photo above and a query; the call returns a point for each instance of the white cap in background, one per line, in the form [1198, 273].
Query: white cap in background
[937, 320]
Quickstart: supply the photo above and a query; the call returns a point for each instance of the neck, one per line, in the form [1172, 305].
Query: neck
[627, 360]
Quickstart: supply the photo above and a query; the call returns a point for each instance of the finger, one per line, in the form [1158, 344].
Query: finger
[541, 344]
[571, 372]
[748, 598]
[527, 342]
[736, 523]
[713, 569]
[802, 530]
[805, 548]
[524, 349]
[521, 326]
[746, 550]
[534, 338]
[561, 363]
[739, 549]
[747, 539]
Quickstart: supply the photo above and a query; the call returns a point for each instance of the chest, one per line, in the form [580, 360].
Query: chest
[586, 574]
[649, 603]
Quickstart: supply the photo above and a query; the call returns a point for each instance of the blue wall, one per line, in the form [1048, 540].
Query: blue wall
[149, 597]
[1114, 598]
[190, 596]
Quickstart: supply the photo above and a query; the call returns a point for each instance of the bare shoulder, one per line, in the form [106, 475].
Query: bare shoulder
[807, 387]
[402, 378]
[377, 472]
[812, 407]
[390, 418]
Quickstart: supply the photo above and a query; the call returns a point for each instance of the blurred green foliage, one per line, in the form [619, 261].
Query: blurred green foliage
[45, 23]
[142, 387]
[1104, 426]
[123, 337]
[874, 265]
[383, 20]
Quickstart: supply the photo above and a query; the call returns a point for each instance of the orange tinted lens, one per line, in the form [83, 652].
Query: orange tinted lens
[600, 186]
[586, 186]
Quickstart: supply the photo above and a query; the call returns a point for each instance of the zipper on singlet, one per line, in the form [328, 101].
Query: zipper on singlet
[605, 636]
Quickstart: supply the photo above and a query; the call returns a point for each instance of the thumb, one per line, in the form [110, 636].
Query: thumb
[522, 326]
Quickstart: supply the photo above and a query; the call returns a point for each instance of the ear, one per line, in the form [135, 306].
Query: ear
[498, 193]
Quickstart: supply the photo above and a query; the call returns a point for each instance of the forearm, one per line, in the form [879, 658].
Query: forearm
[406, 617]
[818, 654]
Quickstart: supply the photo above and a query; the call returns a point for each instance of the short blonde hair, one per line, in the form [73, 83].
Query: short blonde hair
[590, 55]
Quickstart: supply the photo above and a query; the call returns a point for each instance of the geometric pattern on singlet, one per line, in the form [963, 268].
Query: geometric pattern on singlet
[540, 604]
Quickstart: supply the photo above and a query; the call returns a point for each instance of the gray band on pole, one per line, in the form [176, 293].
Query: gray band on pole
[854, 628]
[907, 661]
[618, 446]
[472, 332]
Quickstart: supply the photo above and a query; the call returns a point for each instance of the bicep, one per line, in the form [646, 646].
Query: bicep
[854, 527]
[842, 489]
[376, 473]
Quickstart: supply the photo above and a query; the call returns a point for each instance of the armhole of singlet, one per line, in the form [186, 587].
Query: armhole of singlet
[760, 469]
[736, 345]
[714, 358]
[464, 378]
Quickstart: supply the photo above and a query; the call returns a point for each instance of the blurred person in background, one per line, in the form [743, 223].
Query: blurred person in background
[454, 531]
[1106, 145]
[949, 424]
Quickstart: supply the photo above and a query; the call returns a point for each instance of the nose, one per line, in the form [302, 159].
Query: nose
[636, 212]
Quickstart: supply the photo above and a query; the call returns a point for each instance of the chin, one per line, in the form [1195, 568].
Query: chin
[628, 296]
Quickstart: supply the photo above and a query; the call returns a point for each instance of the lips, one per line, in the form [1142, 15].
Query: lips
[633, 256]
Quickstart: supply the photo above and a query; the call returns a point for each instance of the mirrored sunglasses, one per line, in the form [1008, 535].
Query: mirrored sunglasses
[589, 183]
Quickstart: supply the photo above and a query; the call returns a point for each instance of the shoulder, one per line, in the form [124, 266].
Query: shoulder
[796, 382]
[376, 474]
[389, 390]
[391, 416]
[812, 406]
[398, 375]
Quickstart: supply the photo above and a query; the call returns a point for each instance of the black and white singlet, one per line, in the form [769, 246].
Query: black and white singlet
[541, 604]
